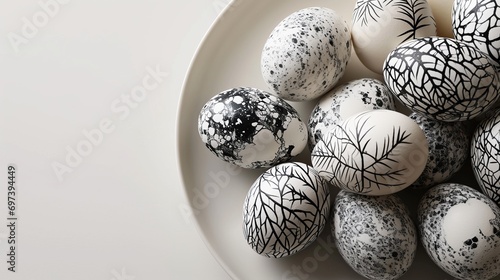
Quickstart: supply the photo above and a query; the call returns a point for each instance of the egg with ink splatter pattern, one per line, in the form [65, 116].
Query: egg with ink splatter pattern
[306, 54]
[251, 128]
[374, 234]
[460, 231]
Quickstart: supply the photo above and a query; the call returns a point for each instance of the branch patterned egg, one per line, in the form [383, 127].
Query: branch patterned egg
[251, 128]
[460, 231]
[344, 101]
[442, 78]
[448, 150]
[374, 234]
[306, 54]
[378, 26]
[477, 23]
[376, 152]
[285, 210]
[485, 155]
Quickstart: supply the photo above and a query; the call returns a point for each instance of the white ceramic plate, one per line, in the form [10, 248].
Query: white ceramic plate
[230, 57]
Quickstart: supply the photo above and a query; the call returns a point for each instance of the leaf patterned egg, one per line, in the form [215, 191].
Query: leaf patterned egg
[285, 210]
[306, 54]
[448, 150]
[374, 234]
[477, 23]
[442, 78]
[378, 26]
[251, 128]
[485, 155]
[460, 230]
[346, 100]
[375, 152]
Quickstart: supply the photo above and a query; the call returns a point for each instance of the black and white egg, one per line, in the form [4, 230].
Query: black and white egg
[485, 155]
[374, 234]
[375, 152]
[306, 54]
[379, 26]
[346, 100]
[448, 150]
[251, 128]
[460, 231]
[477, 23]
[442, 78]
[285, 210]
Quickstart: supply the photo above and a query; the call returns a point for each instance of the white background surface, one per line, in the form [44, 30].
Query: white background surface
[72, 69]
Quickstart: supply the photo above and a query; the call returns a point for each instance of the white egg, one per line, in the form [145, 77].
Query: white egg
[374, 234]
[379, 26]
[477, 23]
[306, 54]
[344, 101]
[376, 152]
[442, 78]
[285, 210]
[485, 155]
[441, 10]
[251, 128]
[459, 229]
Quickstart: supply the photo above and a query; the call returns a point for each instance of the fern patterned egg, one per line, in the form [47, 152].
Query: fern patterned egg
[285, 210]
[376, 152]
[460, 231]
[251, 128]
[485, 155]
[442, 78]
[306, 54]
[378, 26]
[374, 234]
[477, 23]
[346, 100]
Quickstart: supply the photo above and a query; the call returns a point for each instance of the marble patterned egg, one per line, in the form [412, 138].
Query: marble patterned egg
[251, 128]
[485, 155]
[378, 26]
[477, 23]
[285, 210]
[460, 230]
[376, 152]
[346, 100]
[306, 54]
[374, 234]
[442, 78]
[448, 150]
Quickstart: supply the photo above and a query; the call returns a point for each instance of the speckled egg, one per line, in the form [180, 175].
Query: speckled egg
[347, 100]
[477, 23]
[374, 234]
[251, 128]
[375, 152]
[485, 155]
[379, 26]
[306, 54]
[285, 210]
[448, 150]
[442, 78]
[459, 229]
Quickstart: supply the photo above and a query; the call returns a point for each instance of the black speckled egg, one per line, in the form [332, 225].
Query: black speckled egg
[459, 229]
[344, 101]
[442, 78]
[306, 54]
[448, 150]
[251, 128]
[485, 155]
[374, 234]
[285, 210]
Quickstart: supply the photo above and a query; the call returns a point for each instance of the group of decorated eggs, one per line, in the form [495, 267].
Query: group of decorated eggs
[360, 143]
